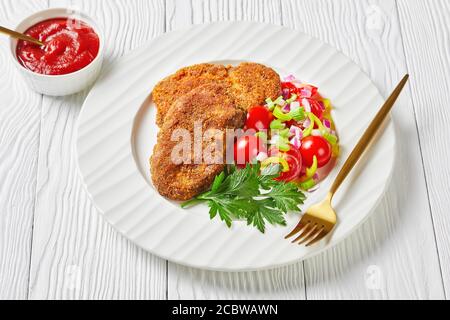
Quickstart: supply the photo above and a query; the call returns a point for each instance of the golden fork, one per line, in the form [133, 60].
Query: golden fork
[321, 218]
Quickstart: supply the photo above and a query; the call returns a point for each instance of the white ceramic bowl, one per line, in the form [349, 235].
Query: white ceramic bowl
[59, 85]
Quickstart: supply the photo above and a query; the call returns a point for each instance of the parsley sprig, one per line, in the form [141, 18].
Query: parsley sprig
[251, 195]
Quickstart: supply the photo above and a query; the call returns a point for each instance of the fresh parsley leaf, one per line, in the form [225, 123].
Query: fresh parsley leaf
[243, 183]
[218, 181]
[257, 221]
[272, 215]
[224, 215]
[268, 174]
[213, 209]
[267, 213]
[286, 196]
[251, 195]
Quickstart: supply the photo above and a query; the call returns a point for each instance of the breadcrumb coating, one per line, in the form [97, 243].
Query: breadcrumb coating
[213, 108]
[183, 81]
[253, 83]
[249, 84]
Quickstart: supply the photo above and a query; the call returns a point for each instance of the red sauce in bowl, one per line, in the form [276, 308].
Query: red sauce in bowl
[70, 45]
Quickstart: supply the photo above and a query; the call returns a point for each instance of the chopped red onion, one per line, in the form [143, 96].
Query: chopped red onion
[327, 123]
[295, 105]
[296, 131]
[305, 92]
[306, 105]
[306, 123]
[286, 108]
[289, 78]
[296, 142]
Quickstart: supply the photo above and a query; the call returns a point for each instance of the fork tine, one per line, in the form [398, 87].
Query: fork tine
[305, 235]
[310, 234]
[297, 228]
[320, 235]
[302, 232]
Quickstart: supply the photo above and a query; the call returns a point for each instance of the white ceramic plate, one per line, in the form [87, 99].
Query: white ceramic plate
[117, 131]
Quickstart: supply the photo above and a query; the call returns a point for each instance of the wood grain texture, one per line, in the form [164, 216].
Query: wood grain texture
[20, 111]
[180, 14]
[426, 35]
[396, 245]
[76, 254]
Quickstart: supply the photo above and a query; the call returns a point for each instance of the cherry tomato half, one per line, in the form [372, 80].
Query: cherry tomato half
[294, 159]
[315, 146]
[246, 149]
[258, 118]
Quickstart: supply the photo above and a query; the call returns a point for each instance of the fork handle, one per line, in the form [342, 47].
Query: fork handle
[368, 135]
[19, 35]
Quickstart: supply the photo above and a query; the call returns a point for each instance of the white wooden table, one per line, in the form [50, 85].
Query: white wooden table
[55, 245]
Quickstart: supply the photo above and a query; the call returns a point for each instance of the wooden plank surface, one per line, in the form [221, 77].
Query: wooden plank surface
[76, 254]
[69, 251]
[19, 141]
[426, 36]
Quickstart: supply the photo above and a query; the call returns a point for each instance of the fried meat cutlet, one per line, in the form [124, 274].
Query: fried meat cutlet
[180, 176]
[250, 84]
[183, 81]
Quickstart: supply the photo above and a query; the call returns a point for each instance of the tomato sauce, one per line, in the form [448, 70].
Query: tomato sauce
[70, 45]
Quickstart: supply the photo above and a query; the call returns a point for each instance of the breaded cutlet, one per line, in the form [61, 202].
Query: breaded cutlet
[183, 81]
[213, 108]
[250, 84]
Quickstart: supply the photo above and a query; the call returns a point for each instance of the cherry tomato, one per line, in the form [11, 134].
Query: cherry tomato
[288, 89]
[317, 96]
[246, 149]
[316, 108]
[258, 118]
[315, 146]
[294, 159]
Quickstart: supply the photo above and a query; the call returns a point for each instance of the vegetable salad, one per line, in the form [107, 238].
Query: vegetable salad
[295, 132]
